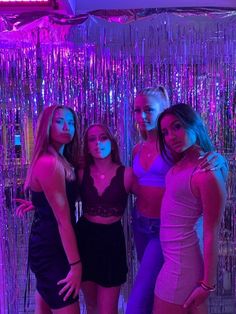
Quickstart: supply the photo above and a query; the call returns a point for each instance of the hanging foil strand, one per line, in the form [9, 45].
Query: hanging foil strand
[96, 63]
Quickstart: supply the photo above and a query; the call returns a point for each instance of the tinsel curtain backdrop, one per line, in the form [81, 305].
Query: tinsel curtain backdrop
[96, 63]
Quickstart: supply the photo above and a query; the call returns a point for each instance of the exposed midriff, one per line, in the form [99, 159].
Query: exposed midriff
[149, 200]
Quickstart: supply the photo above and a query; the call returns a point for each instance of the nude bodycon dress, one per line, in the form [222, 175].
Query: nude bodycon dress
[183, 262]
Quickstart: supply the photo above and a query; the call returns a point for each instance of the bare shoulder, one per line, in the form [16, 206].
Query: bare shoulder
[209, 181]
[203, 177]
[47, 167]
[47, 161]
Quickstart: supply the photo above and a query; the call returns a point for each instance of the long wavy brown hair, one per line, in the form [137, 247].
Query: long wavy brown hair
[43, 142]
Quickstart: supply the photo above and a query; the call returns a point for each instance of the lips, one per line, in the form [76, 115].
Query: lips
[99, 150]
[143, 124]
[176, 144]
[66, 134]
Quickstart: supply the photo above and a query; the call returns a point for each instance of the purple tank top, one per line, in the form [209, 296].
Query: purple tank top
[155, 175]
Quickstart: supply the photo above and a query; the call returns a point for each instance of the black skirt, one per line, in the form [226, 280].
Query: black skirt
[103, 253]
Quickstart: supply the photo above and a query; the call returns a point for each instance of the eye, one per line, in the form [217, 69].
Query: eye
[91, 139]
[177, 126]
[164, 133]
[59, 121]
[71, 123]
[148, 110]
[103, 138]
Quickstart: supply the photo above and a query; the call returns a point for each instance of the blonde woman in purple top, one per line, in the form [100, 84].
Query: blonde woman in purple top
[187, 276]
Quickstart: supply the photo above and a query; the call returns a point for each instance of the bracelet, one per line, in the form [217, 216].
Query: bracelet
[206, 287]
[77, 262]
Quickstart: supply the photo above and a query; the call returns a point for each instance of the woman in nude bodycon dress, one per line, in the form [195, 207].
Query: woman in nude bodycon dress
[187, 276]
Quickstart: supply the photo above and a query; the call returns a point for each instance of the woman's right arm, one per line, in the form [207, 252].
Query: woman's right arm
[24, 207]
[51, 177]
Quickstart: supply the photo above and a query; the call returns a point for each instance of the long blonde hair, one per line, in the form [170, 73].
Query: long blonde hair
[43, 143]
[160, 94]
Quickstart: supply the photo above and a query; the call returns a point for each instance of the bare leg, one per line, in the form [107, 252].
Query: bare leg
[108, 300]
[41, 306]
[201, 309]
[69, 309]
[90, 289]
[163, 307]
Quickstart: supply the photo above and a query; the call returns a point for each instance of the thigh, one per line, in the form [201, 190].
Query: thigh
[69, 309]
[141, 239]
[41, 307]
[142, 295]
[90, 291]
[163, 307]
[201, 309]
[108, 300]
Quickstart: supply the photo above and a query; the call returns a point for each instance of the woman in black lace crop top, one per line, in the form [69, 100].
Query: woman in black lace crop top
[105, 185]
[53, 252]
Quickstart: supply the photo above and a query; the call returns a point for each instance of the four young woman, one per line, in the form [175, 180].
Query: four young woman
[103, 186]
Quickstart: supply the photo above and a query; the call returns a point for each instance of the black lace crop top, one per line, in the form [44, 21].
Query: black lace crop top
[113, 200]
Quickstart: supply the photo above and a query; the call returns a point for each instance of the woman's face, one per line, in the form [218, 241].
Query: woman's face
[63, 127]
[99, 144]
[146, 112]
[176, 137]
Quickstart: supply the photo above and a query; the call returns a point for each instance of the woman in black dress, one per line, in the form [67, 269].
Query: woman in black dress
[53, 251]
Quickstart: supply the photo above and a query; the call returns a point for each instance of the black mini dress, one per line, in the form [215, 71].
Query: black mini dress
[47, 258]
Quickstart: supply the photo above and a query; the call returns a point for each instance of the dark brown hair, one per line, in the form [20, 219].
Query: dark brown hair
[87, 158]
[190, 120]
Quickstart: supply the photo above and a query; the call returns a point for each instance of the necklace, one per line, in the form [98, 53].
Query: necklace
[100, 175]
[103, 173]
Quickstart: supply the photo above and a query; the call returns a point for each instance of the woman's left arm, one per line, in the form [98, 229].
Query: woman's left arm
[213, 196]
[210, 187]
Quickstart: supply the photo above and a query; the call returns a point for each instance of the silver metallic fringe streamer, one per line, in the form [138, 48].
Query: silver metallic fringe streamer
[96, 64]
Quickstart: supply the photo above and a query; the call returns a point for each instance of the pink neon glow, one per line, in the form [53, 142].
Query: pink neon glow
[17, 1]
